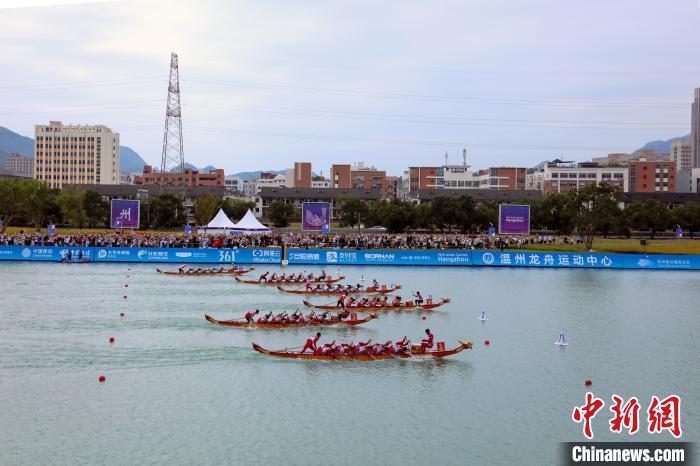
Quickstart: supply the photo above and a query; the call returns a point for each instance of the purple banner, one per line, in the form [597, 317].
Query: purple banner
[513, 219]
[125, 214]
[314, 215]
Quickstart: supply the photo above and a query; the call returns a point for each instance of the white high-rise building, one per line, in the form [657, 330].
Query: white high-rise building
[76, 154]
[681, 153]
[695, 129]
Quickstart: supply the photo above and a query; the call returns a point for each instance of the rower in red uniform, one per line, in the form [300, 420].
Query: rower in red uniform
[341, 300]
[427, 343]
[311, 343]
[249, 315]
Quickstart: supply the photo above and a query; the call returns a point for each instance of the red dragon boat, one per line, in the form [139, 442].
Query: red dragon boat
[352, 321]
[287, 282]
[406, 306]
[207, 271]
[416, 352]
[369, 290]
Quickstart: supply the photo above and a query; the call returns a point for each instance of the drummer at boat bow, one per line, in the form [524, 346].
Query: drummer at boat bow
[419, 298]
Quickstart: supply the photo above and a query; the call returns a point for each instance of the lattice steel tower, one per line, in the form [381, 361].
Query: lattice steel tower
[173, 155]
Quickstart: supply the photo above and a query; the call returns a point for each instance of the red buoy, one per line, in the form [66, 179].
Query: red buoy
[111, 339]
[588, 382]
[124, 296]
[487, 342]
[424, 318]
[126, 285]
[102, 378]
[121, 314]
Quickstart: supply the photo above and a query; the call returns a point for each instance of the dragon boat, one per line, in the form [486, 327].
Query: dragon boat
[208, 271]
[350, 322]
[405, 306]
[415, 353]
[370, 290]
[291, 282]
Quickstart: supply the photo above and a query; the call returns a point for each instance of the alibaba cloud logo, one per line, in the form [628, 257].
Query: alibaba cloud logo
[257, 252]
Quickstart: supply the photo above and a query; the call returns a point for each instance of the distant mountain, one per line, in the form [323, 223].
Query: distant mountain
[207, 169]
[662, 146]
[130, 161]
[248, 176]
[11, 142]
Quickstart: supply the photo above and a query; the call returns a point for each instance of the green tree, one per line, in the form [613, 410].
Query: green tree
[13, 197]
[649, 215]
[40, 204]
[351, 211]
[397, 215]
[588, 206]
[553, 213]
[465, 213]
[445, 213]
[422, 218]
[280, 213]
[205, 208]
[96, 208]
[167, 211]
[73, 207]
[688, 217]
[237, 208]
[486, 215]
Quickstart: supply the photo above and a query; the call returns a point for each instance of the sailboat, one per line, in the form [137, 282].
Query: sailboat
[561, 341]
[483, 317]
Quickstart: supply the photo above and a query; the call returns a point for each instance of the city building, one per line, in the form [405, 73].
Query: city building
[19, 165]
[76, 154]
[695, 129]
[559, 176]
[651, 176]
[320, 184]
[688, 181]
[250, 188]
[192, 177]
[302, 175]
[233, 184]
[681, 153]
[503, 178]
[297, 196]
[423, 178]
[344, 176]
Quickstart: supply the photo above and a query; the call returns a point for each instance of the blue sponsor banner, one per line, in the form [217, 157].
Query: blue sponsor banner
[378, 257]
[155, 255]
[356, 257]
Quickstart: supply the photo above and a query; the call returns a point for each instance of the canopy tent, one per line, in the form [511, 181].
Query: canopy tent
[250, 224]
[220, 223]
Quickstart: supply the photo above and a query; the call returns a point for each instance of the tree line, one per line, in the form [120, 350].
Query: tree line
[33, 203]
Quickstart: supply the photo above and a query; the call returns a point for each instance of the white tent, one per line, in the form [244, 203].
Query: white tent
[250, 224]
[220, 223]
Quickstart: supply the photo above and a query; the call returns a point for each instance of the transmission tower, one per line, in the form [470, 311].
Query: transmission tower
[173, 156]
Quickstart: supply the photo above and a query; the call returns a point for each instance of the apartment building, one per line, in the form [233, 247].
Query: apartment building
[76, 154]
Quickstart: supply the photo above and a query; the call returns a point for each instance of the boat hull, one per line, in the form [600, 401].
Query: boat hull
[403, 307]
[341, 292]
[364, 357]
[197, 274]
[275, 283]
[327, 323]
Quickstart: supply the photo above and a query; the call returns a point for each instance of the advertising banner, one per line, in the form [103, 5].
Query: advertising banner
[315, 215]
[513, 219]
[125, 213]
[331, 257]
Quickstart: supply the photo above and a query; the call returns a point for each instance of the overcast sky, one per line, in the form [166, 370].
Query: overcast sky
[390, 83]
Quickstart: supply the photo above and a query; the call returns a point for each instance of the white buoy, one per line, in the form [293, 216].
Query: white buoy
[362, 278]
[561, 341]
[483, 317]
